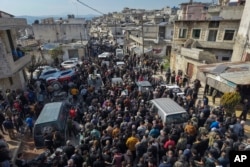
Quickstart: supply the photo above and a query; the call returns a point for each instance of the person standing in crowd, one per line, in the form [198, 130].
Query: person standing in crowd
[214, 94]
[5, 154]
[131, 142]
[2, 119]
[29, 123]
[205, 100]
[168, 75]
[245, 110]
[9, 126]
[74, 92]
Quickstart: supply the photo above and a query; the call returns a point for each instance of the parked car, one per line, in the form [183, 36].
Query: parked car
[39, 70]
[174, 88]
[69, 64]
[42, 68]
[48, 73]
[76, 60]
[120, 64]
[61, 76]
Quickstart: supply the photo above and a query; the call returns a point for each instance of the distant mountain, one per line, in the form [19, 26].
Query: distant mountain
[31, 19]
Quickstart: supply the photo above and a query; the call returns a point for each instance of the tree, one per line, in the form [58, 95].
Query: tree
[34, 65]
[55, 53]
[230, 100]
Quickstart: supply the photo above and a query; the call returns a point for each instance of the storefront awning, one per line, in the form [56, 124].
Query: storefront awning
[222, 87]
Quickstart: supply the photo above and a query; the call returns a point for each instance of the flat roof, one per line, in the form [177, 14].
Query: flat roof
[143, 83]
[239, 78]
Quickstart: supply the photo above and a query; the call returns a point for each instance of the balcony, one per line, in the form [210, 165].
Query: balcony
[198, 54]
[8, 23]
[192, 53]
[9, 66]
[216, 45]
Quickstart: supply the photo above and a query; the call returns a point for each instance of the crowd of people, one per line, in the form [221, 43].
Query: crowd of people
[120, 129]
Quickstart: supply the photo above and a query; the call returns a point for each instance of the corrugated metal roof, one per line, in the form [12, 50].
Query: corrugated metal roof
[239, 77]
[220, 69]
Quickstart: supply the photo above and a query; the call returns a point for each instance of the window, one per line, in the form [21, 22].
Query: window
[214, 24]
[225, 58]
[182, 33]
[212, 35]
[229, 35]
[10, 80]
[196, 33]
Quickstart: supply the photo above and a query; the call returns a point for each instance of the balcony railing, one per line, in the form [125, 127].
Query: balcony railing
[214, 9]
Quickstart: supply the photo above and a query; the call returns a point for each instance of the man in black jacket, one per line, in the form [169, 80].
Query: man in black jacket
[2, 119]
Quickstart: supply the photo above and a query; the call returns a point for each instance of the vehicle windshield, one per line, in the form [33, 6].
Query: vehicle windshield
[177, 118]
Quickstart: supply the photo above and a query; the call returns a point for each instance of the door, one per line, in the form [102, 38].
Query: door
[190, 70]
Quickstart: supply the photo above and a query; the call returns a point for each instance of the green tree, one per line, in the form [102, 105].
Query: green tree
[229, 101]
[55, 53]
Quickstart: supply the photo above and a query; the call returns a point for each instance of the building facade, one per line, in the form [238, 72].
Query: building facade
[202, 42]
[62, 31]
[12, 59]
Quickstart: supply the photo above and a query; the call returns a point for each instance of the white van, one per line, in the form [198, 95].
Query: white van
[169, 111]
[119, 54]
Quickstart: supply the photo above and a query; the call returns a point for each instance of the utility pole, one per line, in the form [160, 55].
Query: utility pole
[142, 35]
[115, 33]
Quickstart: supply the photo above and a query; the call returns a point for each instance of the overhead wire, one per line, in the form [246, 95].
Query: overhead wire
[90, 7]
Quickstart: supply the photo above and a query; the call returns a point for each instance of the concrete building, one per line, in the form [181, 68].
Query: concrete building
[193, 11]
[197, 42]
[156, 38]
[241, 49]
[62, 31]
[12, 58]
[207, 41]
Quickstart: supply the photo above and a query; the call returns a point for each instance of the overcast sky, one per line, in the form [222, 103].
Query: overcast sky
[64, 7]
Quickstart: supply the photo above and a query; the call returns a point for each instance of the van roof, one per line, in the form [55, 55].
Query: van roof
[168, 105]
[116, 80]
[49, 113]
[143, 83]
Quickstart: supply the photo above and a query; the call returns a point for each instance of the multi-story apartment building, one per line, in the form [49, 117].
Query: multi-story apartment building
[197, 42]
[241, 50]
[12, 58]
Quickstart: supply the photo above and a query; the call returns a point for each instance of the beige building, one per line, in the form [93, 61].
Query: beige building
[12, 59]
[199, 42]
[206, 41]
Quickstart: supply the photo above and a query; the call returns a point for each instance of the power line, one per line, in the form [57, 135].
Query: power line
[90, 7]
